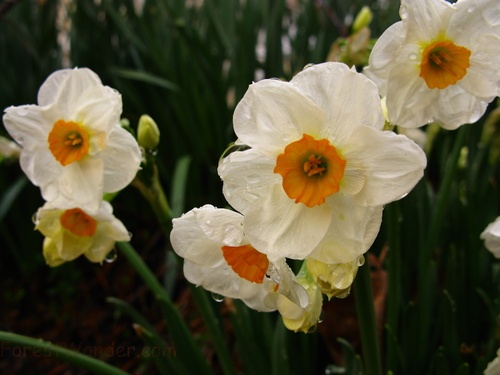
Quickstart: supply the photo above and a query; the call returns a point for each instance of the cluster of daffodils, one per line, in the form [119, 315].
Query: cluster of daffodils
[74, 150]
[312, 173]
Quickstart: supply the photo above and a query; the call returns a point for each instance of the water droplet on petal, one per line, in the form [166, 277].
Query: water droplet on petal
[471, 9]
[111, 257]
[321, 316]
[208, 221]
[361, 261]
[217, 297]
[413, 56]
[34, 218]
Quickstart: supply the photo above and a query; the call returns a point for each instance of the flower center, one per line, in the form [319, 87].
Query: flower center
[311, 170]
[68, 142]
[443, 64]
[247, 262]
[78, 222]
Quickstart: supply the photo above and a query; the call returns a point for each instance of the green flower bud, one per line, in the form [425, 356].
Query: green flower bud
[148, 134]
[363, 19]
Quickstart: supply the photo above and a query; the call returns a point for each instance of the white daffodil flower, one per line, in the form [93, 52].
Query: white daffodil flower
[70, 233]
[491, 237]
[73, 146]
[440, 63]
[318, 163]
[218, 257]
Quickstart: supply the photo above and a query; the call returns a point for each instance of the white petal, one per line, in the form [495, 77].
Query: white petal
[384, 52]
[273, 114]
[426, 18]
[410, 103]
[98, 109]
[473, 20]
[247, 176]
[27, 125]
[466, 108]
[351, 233]
[80, 185]
[278, 227]
[491, 237]
[392, 164]
[42, 169]
[348, 98]
[50, 89]
[121, 159]
[221, 225]
[73, 84]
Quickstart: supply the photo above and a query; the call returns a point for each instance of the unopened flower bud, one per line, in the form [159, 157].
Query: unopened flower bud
[363, 19]
[148, 134]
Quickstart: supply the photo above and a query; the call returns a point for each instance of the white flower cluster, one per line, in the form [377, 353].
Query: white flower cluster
[74, 149]
[311, 186]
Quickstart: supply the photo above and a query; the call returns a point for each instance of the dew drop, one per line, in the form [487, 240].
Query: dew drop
[217, 297]
[413, 56]
[361, 261]
[111, 257]
[207, 221]
[34, 218]
[321, 317]
[471, 9]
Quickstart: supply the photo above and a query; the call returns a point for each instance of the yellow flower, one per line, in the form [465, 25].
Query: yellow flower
[70, 233]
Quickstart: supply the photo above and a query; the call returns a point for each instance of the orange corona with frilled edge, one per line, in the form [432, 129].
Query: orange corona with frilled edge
[68, 142]
[444, 64]
[78, 222]
[247, 262]
[311, 170]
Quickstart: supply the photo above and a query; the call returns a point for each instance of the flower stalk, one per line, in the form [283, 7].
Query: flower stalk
[363, 292]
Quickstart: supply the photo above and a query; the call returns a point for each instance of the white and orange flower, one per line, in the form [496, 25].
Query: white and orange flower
[73, 146]
[218, 257]
[70, 233]
[319, 167]
[440, 63]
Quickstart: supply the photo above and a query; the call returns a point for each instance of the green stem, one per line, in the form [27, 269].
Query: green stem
[181, 335]
[394, 282]
[157, 200]
[442, 201]
[363, 293]
[214, 329]
[41, 348]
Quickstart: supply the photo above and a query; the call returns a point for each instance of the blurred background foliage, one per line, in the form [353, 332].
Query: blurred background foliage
[187, 64]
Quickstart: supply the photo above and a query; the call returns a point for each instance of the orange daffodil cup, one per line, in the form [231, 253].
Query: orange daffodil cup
[440, 63]
[319, 168]
[74, 149]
